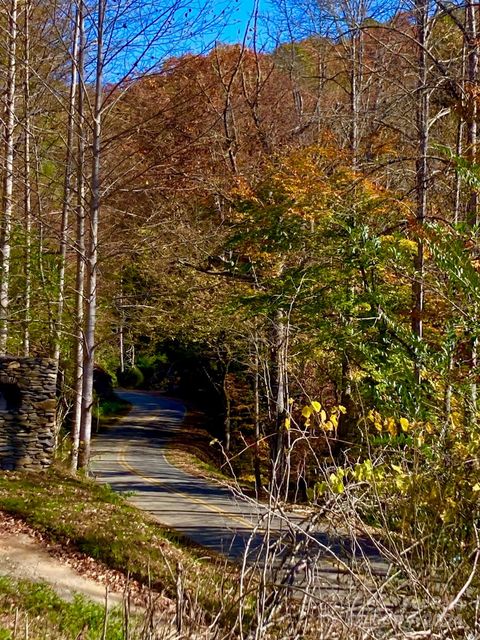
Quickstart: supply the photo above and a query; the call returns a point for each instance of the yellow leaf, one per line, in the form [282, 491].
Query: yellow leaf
[323, 415]
[476, 487]
[316, 406]
[328, 426]
[307, 412]
[341, 408]
[401, 483]
[404, 424]
[334, 420]
[390, 426]
[378, 426]
[336, 483]
[429, 428]
[288, 423]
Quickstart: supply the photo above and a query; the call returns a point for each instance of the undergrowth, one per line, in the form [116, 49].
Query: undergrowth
[34, 610]
[100, 523]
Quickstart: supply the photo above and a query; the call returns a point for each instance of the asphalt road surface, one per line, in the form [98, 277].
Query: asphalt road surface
[130, 457]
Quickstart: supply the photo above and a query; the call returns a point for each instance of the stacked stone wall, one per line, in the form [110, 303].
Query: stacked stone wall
[27, 413]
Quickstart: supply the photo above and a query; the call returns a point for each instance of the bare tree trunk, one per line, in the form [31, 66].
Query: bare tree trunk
[67, 190]
[457, 200]
[421, 177]
[5, 248]
[356, 92]
[458, 178]
[121, 330]
[472, 108]
[224, 358]
[121, 346]
[79, 246]
[447, 398]
[471, 150]
[227, 423]
[280, 388]
[228, 115]
[256, 460]
[92, 252]
[27, 203]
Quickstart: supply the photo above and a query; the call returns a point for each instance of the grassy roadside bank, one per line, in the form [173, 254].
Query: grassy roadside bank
[36, 611]
[93, 519]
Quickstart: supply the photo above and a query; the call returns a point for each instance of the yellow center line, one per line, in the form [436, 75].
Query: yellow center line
[126, 465]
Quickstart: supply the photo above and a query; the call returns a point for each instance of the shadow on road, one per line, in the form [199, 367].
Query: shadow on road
[129, 456]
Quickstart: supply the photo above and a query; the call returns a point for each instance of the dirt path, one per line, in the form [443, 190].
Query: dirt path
[25, 554]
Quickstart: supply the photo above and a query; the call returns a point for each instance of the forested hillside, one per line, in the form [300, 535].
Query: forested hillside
[285, 230]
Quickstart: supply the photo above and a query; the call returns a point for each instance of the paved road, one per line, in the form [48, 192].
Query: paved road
[130, 456]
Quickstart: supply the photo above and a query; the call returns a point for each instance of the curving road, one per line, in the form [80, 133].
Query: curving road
[130, 457]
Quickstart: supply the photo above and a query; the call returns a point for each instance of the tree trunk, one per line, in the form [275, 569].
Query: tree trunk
[92, 251]
[279, 478]
[79, 246]
[227, 423]
[27, 202]
[121, 331]
[421, 173]
[256, 459]
[5, 248]
[356, 92]
[472, 108]
[471, 150]
[67, 190]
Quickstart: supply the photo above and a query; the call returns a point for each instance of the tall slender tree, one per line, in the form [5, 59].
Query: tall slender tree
[69, 174]
[422, 8]
[78, 328]
[92, 246]
[8, 181]
[27, 171]
[471, 11]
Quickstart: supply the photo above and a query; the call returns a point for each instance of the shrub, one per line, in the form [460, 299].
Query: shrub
[130, 378]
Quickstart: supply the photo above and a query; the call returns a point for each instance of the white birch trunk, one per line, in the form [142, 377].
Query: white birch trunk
[92, 251]
[28, 186]
[5, 248]
[67, 192]
[79, 246]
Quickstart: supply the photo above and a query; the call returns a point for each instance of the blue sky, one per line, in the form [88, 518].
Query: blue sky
[239, 17]
[156, 30]
[239, 12]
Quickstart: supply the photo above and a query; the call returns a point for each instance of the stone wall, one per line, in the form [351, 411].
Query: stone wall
[27, 413]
